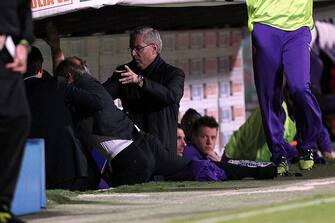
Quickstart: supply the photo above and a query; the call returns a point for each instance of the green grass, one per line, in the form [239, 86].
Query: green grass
[318, 209]
[318, 213]
[55, 197]
[60, 196]
[231, 209]
[180, 186]
[67, 197]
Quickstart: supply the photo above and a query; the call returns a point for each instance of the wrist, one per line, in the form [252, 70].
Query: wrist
[140, 80]
[24, 42]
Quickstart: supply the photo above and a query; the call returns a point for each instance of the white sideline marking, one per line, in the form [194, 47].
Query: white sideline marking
[277, 190]
[304, 187]
[266, 211]
[130, 195]
[321, 183]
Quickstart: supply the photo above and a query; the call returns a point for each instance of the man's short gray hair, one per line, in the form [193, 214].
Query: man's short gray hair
[150, 36]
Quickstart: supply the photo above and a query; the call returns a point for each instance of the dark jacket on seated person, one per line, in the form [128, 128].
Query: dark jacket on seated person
[68, 166]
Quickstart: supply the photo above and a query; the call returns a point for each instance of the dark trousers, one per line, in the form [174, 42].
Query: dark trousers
[143, 159]
[239, 169]
[14, 128]
[275, 53]
[78, 184]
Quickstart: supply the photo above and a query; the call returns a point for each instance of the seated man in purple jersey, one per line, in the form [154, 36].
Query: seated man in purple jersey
[203, 140]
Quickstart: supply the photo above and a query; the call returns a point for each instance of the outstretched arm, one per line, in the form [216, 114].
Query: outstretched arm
[54, 42]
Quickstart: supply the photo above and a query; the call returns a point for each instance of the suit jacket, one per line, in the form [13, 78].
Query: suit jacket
[51, 119]
[154, 107]
[90, 99]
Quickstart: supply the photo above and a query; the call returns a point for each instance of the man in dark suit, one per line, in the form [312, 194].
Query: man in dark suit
[68, 164]
[149, 88]
[16, 34]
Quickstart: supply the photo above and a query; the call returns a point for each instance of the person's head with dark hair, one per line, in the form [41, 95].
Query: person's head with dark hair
[34, 63]
[204, 133]
[187, 121]
[71, 69]
[180, 140]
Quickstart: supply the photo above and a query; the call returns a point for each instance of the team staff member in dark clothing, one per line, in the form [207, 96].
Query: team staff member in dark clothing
[68, 165]
[135, 156]
[149, 88]
[16, 24]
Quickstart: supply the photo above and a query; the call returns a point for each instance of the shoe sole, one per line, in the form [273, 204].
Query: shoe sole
[310, 166]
